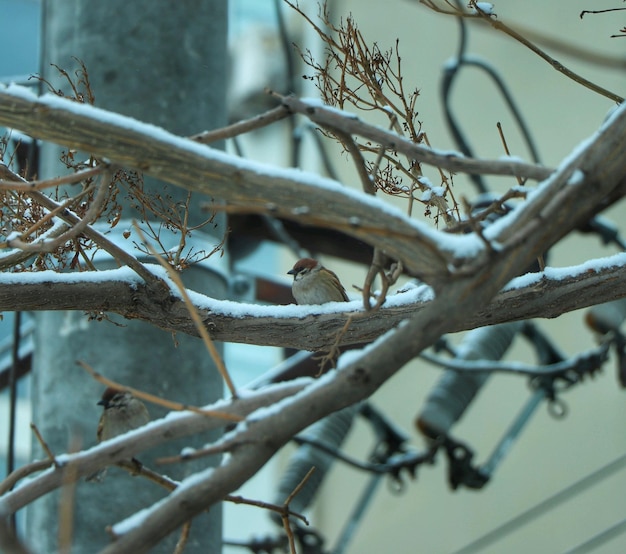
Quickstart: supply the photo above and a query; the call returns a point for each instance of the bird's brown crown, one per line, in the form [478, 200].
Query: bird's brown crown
[302, 264]
[108, 395]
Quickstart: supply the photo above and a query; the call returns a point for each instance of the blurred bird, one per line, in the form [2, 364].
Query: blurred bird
[122, 413]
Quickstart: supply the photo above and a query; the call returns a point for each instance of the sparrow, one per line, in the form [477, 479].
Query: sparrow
[122, 412]
[314, 284]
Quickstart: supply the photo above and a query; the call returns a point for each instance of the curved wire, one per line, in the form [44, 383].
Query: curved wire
[449, 75]
[510, 102]
[451, 72]
[395, 463]
[292, 84]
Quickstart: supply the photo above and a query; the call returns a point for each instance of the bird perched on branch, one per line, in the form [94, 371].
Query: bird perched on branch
[122, 413]
[314, 284]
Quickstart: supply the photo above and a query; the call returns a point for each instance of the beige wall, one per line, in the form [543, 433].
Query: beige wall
[550, 454]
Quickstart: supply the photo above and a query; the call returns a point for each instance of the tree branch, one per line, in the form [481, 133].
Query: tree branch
[126, 446]
[542, 295]
[586, 184]
[449, 160]
[292, 194]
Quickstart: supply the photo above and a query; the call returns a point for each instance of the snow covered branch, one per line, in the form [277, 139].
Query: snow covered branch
[547, 294]
[470, 275]
[126, 446]
[449, 160]
[292, 194]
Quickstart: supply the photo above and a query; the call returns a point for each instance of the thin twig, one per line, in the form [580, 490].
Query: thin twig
[195, 316]
[50, 245]
[334, 351]
[118, 253]
[39, 245]
[578, 52]
[20, 473]
[295, 491]
[290, 537]
[585, 12]
[40, 184]
[244, 126]
[67, 498]
[184, 537]
[498, 25]
[44, 445]
[376, 268]
[140, 470]
[211, 450]
[366, 291]
[475, 225]
[450, 220]
[136, 468]
[520, 181]
[359, 162]
[170, 485]
[285, 513]
[540, 260]
[496, 207]
[265, 505]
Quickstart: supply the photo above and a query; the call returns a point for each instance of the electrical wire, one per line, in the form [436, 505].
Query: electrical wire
[292, 83]
[451, 72]
[601, 538]
[544, 506]
[15, 355]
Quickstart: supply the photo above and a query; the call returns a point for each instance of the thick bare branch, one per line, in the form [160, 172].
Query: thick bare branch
[600, 167]
[291, 194]
[545, 295]
[125, 447]
[451, 161]
[241, 127]
[456, 301]
[567, 202]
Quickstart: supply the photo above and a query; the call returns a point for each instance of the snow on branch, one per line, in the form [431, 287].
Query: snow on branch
[548, 294]
[588, 180]
[449, 160]
[466, 273]
[254, 187]
[177, 424]
[250, 186]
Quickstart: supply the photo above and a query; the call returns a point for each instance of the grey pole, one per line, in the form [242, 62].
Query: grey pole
[163, 62]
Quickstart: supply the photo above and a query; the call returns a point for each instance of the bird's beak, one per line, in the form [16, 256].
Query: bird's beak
[293, 271]
[102, 403]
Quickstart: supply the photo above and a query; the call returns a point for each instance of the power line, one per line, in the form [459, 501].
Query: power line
[548, 504]
[598, 540]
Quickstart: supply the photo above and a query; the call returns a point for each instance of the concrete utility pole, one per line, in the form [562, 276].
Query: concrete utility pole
[162, 62]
